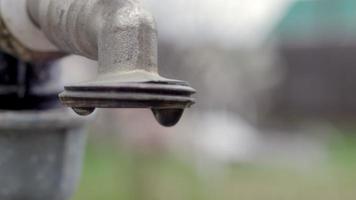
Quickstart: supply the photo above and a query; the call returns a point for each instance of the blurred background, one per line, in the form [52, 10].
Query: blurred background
[275, 111]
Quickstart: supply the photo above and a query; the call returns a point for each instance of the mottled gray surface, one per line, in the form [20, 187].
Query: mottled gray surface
[120, 34]
[40, 162]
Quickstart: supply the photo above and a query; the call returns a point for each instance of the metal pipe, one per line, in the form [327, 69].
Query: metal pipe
[120, 34]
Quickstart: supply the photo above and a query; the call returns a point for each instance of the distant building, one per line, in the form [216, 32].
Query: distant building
[317, 44]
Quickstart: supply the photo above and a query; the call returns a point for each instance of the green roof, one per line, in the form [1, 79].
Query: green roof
[310, 18]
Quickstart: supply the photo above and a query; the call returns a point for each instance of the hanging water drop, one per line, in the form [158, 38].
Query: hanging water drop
[168, 117]
[83, 111]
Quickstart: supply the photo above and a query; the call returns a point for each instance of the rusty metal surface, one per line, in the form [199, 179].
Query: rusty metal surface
[10, 45]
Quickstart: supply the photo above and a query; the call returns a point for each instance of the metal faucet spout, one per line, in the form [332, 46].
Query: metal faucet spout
[122, 36]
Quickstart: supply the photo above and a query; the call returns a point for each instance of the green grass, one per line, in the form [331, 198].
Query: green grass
[112, 174]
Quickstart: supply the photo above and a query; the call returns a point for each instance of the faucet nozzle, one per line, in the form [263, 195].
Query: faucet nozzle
[122, 36]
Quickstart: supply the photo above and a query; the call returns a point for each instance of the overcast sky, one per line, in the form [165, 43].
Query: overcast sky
[227, 22]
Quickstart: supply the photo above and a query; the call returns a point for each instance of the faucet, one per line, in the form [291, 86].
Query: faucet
[120, 34]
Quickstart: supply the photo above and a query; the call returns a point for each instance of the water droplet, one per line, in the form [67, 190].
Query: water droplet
[168, 117]
[83, 111]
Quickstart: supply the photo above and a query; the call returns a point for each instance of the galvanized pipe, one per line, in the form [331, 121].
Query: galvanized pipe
[120, 34]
